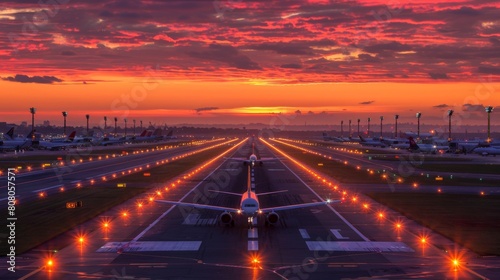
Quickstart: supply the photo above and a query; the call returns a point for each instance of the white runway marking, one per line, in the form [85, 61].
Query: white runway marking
[150, 246]
[337, 234]
[252, 233]
[349, 246]
[304, 234]
[253, 245]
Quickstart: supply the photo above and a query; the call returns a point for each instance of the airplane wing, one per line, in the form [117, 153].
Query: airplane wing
[295, 206]
[231, 193]
[238, 159]
[267, 193]
[199, 206]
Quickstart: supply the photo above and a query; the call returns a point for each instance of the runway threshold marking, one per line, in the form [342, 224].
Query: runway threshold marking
[362, 246]
[150, 246]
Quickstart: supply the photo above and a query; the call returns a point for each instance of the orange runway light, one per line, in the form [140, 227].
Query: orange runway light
[380, 215]
[366, 206]
[124, 214]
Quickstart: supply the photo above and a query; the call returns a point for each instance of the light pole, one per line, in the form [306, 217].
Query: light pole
[33, 111]
[488, 110]
[381, 120]
[87, 117]
[341, 129]
[65, 114]
[141, 126]
[116, 119]
[358, 126]
[418, 115]
[134, 127]
[368, 132]
[125, 127]
[396, 117]
[105, 123]
[350, 133]
[450, 113]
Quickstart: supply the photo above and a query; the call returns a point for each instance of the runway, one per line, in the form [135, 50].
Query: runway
[340, 241]
[30, 184]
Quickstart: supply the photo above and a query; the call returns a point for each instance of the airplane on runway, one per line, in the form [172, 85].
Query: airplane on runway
[252, 159]
[249, 206]
[373, 143]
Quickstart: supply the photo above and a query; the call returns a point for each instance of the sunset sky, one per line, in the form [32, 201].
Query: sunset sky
[243, 61]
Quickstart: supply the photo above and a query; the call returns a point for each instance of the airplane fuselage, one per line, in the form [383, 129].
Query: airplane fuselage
[249, 204]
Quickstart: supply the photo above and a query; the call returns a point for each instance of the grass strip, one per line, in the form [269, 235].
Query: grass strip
[469, 220]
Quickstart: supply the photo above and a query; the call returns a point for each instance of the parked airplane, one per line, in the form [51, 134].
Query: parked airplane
[249, 207]
[426, 148]
[10, 143]
[373, 143]
[486, 151]
[58, 144]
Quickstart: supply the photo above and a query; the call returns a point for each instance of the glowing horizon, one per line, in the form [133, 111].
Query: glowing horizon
[227, 62]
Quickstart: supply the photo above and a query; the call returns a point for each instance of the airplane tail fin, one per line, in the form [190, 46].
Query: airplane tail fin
[157, 132]
[71, 137]
[413, 144]
[10, 133]
[144, 133]
[170, 133]
[362, 138]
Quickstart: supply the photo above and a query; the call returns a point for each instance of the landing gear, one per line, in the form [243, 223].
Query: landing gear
[250, 222]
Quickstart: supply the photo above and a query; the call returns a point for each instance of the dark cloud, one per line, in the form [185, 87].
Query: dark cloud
[489, 70]
[437, 76]
[367, 102]
[198, 110]
[441, 106]
[34, 79]
[291, 66]
[226, 54]
[472, 107]
[68, 53]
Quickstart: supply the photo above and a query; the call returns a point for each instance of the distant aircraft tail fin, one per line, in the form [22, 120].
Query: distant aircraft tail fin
[71, 137]
[170, 133]
[413, 144]
[10, 133]
[144, 133]
[362, 138]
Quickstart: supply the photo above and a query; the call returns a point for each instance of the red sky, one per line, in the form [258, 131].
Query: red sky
[247, 61]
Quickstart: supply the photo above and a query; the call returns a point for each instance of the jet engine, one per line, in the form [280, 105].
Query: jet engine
[226, 218]
[272, 218]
